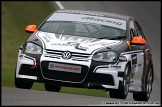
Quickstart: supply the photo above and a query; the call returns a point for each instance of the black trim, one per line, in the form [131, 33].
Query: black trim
[93, 65]
[107, 48]
[40, 39]
[134, 59]
[27, 70]
[120, 74]
[98, 78]
[28, 57]
[53, 53]
[63, 76]
[67, 50]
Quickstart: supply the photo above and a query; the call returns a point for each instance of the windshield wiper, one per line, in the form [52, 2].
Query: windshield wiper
[113, 38]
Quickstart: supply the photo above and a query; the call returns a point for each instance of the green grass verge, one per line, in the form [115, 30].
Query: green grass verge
[80, 91]
[15, 17]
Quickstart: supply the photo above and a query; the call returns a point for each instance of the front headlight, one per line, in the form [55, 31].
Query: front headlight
[109, 56]
[33, 48]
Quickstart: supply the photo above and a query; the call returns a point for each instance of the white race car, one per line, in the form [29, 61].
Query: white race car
[96, 50]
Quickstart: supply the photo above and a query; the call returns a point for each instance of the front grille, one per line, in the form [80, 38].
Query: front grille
[74, 56]
[63, 75]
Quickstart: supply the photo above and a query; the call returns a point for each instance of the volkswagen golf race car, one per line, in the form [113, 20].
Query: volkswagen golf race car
[89, 49]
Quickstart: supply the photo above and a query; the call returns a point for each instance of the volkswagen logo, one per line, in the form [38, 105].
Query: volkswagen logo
[66, 55]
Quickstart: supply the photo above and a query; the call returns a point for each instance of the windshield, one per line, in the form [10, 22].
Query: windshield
[83, 29]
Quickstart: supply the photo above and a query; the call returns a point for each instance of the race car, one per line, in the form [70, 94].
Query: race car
[88, 49]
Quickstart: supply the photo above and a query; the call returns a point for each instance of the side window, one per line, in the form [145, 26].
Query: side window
[139, 29]
[133, 31]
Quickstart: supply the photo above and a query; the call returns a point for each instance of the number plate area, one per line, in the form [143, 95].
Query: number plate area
[64, 67]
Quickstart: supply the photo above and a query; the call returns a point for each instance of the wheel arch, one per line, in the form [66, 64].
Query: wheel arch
[130, 66]
[146, 74]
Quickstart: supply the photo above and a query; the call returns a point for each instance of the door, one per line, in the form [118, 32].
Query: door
[137, 57]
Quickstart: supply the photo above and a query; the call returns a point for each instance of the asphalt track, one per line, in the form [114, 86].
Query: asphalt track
[148, 14]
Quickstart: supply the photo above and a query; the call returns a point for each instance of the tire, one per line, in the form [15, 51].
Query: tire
[23, 83]
[52, 87]
[122, 92]
[144, 96]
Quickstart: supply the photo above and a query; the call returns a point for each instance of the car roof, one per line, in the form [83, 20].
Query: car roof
[95, 13]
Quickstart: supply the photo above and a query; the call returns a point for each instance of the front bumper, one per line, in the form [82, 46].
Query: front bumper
[106, 75]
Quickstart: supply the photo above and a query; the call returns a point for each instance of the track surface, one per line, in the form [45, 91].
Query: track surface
[146, 13]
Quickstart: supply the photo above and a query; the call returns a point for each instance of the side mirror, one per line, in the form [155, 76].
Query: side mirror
[138, 41]
[30, 28]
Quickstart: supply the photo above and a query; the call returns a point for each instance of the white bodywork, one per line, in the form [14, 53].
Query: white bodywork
[50, 42]
[68, 42]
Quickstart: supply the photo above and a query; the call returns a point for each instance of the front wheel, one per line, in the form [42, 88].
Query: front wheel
[144, 96]
[52, 87]
[122, 92]
[22, 83]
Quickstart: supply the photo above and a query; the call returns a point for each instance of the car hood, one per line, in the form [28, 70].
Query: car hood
[72, 43]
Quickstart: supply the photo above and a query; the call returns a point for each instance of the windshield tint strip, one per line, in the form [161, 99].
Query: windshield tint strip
[117, 23]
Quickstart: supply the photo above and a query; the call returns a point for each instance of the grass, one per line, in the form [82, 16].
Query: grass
[80, 91]
[15, 17]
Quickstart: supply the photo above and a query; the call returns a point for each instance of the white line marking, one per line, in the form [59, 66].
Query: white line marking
[59, 4]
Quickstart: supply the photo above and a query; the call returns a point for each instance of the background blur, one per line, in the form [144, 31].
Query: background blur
[15, 17]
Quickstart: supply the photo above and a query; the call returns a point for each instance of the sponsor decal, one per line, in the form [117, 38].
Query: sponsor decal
[139, 65]
[133, 70]
[103, 44]
[35, 39]
[78, 43]
[94, 44]
[114, 66]
[77, 46]
[21, 55]
[46, 39]
[79, 12]
[62, 44]
[112, 22]
[74, 44]
[81, 47]
[102, 20]
[48, 36]
[134, 59]
[64, 67]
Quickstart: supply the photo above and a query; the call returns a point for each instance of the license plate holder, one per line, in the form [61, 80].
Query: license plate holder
[64, 67]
